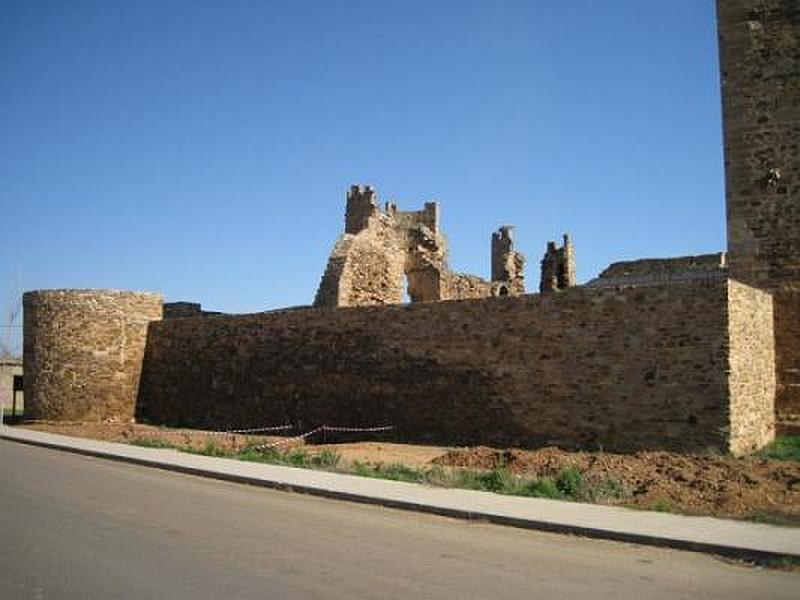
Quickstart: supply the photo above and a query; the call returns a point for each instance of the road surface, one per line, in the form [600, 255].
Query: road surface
[79, 527]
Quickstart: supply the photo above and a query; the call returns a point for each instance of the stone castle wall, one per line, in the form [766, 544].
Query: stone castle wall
[760, 67]
[622, 369]
[83, 352]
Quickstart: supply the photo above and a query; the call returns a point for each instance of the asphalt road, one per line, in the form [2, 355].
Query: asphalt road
[79, 527]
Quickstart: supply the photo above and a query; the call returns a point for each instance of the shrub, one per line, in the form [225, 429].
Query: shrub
[570, 482]
[541, 488]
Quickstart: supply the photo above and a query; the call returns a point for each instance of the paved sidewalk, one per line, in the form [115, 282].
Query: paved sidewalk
[706, 534]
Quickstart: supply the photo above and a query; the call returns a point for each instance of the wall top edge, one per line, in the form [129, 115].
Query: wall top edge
[549, 298]
[92, 292]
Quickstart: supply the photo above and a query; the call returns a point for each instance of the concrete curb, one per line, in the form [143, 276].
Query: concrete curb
[737, 539]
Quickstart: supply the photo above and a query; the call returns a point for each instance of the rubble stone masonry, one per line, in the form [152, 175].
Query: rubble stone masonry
[760, 68]
[83, 352]
[751, 367]
[623, 369]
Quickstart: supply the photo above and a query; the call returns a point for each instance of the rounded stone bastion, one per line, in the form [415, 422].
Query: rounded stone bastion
[83, 352]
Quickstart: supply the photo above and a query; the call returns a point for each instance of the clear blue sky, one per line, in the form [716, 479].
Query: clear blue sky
[204, 149]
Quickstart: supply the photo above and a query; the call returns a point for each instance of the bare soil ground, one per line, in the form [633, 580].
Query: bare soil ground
[723, 486]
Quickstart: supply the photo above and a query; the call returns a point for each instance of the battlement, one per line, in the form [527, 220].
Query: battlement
[504, 232]
[362, 206]
[428, 216]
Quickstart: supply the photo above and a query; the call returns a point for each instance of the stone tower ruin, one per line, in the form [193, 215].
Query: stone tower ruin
[381, 248]
[558, 267]
[508, 265]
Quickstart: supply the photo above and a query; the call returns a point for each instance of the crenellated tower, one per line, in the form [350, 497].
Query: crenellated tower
[362, 208]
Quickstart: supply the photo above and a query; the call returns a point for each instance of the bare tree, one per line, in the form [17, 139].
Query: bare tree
[11, 325]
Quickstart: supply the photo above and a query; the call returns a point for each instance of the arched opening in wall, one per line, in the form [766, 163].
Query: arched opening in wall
[404, 284]
[502, 291]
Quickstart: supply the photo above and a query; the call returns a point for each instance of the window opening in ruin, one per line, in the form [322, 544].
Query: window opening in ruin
[503, 291]
[404, 284]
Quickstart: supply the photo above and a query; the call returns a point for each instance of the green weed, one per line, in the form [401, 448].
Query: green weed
[145, 442]
[662, 505]
[605, 490]
[775, 518]
[212, 449]
[541, 488]
[327, 460]
[295, 457]
[569, 482]
[395, 472]
[786, 447]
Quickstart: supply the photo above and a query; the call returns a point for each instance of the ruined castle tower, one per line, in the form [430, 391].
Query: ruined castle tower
[760, 69]
[558, 267]
[381, 249]
[508, 265]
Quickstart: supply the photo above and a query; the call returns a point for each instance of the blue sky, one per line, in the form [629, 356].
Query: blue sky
[204, 149]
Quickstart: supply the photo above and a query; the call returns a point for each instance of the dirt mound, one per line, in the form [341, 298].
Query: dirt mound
[708, 485]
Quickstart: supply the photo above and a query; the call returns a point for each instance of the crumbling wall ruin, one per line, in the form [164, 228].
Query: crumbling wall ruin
[379, 249]
[558, 267]
[183, 310]
[663, 271]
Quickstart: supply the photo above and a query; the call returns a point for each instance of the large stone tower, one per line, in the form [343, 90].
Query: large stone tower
[760, 69]
[83, 352]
